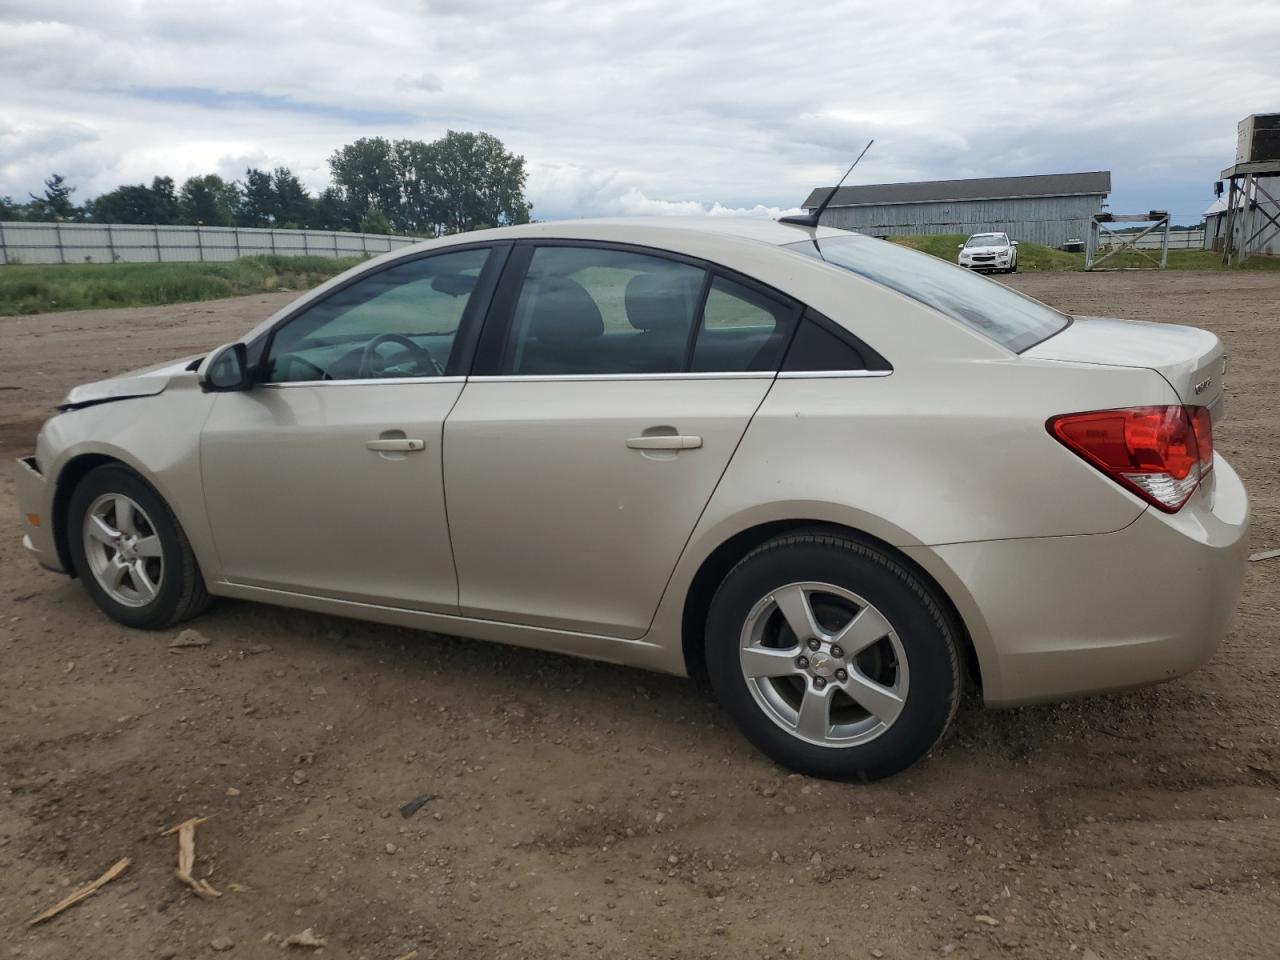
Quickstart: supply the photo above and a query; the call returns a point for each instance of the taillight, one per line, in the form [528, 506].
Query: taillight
[1160, 453]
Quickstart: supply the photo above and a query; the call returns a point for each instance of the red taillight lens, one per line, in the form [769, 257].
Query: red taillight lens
[1160, 453]
[1202, 424]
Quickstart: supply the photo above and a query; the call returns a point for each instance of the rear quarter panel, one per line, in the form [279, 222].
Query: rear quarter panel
[941, 451]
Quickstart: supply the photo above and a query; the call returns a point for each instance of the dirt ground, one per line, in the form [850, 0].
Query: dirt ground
[585, 810]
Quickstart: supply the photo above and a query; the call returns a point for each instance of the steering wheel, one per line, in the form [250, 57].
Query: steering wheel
[421, 356]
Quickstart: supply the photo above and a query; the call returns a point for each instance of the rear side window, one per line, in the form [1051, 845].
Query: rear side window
[991, 308]
[743, 330]
[602, 311]
[590, 310]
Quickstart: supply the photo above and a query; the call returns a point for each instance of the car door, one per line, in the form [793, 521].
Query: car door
[326, 477]
[612, 386]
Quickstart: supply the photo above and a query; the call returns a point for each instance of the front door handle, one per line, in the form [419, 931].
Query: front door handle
[396, 445]
[664, 442]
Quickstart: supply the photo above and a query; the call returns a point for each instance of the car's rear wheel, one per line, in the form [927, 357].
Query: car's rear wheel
[130, 553]
[833, 657]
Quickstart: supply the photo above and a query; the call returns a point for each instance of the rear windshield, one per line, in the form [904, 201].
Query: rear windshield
[991, 308]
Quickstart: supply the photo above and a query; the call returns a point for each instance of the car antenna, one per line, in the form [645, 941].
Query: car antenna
[811, 219]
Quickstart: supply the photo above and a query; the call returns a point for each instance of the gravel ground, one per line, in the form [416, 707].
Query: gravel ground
[586, 810]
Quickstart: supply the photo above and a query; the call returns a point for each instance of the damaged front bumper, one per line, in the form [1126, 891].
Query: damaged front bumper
[35, 507]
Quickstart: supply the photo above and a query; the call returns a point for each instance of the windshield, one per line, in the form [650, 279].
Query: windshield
[991, 308]
[987, 240]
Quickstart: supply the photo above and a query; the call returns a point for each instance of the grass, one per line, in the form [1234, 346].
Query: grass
[1031, 256]
[1036, 257]
[44, 288]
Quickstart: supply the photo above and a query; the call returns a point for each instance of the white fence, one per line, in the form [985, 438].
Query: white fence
[22, 242]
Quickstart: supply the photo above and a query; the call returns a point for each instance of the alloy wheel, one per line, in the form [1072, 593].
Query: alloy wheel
[824, 664]
[123, 550]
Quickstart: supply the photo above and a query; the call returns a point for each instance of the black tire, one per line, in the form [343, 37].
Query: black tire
[916, 615]
[181, 593]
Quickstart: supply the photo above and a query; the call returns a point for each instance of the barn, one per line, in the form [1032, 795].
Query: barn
[1047, 208]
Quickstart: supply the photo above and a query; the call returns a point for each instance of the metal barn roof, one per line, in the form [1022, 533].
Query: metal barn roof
[1097, 183]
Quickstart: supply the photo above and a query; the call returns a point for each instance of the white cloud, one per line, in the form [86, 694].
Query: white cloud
[634, 203]
[645, 105]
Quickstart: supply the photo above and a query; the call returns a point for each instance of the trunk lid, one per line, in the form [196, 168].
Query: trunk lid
[1191, 360]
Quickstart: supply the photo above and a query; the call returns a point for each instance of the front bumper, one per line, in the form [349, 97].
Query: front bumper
[1056, 617]
[35, 508]
[986, 264]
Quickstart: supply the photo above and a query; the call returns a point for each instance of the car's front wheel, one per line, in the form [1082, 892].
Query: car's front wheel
[130, 552]
[833, 657]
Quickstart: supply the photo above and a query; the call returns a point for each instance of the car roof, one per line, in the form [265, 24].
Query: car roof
[746, 228]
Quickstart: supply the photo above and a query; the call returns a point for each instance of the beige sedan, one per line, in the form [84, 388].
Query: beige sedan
[838, 478]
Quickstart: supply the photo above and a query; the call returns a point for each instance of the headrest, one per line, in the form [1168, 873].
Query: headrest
[563, 312]
[661, 302]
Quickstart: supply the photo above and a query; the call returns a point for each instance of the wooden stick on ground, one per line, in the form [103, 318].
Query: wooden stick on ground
[117, 868]
[186, 832]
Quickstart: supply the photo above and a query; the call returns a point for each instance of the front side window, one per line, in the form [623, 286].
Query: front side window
[397, 322]
[991, 308]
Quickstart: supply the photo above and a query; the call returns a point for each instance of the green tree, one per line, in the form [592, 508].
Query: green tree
[293, 204]
[258, 199]
[366, 173]
[375, 221]
[138, 203]
[55, 203]
[420, 185]
[482, 183]
[126, 204]
[459, 182]
[164, 199]
[332, 212]
[10, 210]
[209, 200]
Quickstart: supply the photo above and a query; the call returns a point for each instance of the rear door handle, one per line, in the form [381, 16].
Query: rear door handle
[664, 442]
[396, 445]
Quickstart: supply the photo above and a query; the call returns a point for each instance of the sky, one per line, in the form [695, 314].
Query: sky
[643, 106]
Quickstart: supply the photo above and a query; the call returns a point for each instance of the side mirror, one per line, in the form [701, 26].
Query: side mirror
[1014, 242]
[959, 246]
[225, 369]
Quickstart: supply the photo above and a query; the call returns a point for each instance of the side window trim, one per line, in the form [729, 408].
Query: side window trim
[497, 323]
[501, 313]
[699, 318]
[468, 328]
